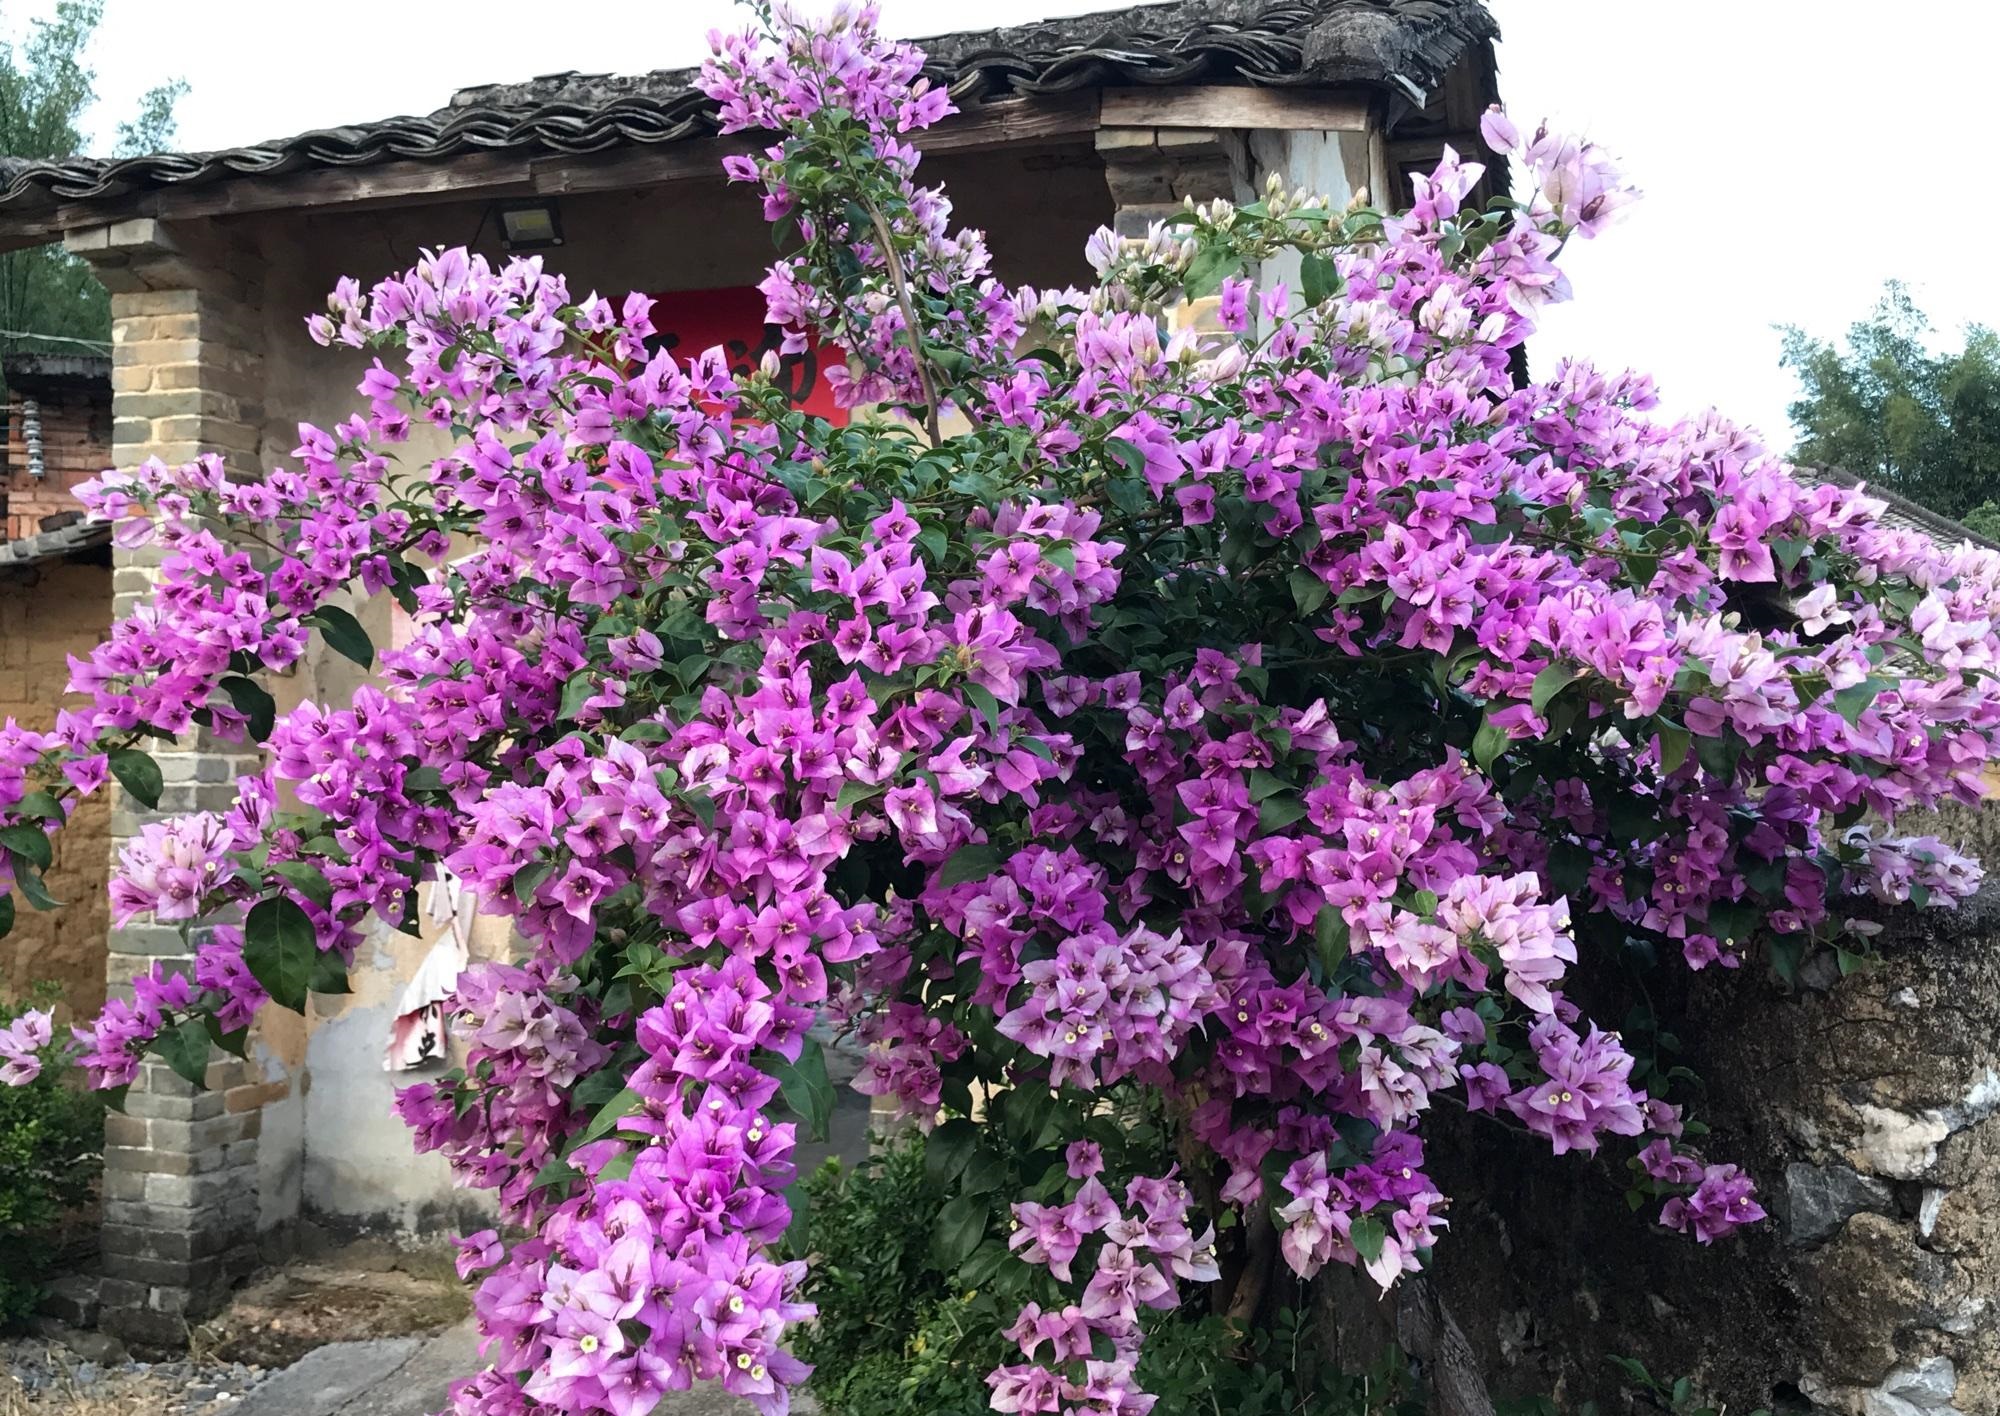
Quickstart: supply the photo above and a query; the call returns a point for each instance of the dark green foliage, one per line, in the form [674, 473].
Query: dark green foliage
[901, 1334]
[892, 1338]
[1888, 409]
[45, 88]
[51, 1135]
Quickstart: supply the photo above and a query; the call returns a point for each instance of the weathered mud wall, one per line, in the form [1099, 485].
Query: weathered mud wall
[48, 612]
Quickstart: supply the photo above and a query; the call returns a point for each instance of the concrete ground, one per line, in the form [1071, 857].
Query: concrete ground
[409, 1376]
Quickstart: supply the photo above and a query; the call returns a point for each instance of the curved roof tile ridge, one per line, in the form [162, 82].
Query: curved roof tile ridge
[1271, 43]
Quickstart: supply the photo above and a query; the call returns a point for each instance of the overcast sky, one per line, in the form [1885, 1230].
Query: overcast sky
[1780, 142]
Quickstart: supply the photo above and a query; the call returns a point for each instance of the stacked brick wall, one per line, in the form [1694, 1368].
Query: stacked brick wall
[75, 445]
[181, 1172]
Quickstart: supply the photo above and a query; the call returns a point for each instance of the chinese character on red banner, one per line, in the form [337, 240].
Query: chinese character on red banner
[690, 321]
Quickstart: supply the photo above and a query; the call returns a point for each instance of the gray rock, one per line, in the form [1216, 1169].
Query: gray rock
[1925, 1390]
[1821, 1198]
[421, 1383]
[326, 1379]
[72, 1299]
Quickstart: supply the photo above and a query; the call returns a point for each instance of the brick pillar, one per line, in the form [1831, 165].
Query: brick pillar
[181, 1195]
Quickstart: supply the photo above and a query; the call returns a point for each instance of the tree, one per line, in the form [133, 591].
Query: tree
[48, 298]
[1887, 408]
[1226, 747]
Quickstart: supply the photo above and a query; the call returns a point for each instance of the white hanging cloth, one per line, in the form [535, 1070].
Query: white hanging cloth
[418, 1034]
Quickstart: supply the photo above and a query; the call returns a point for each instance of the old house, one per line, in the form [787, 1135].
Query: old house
[215, 259]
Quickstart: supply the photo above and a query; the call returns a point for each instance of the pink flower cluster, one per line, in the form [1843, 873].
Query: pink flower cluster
[1142, 1252]
[21, 1044]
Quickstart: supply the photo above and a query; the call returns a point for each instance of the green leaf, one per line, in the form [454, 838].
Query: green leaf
[1852, 702]
[33, 890]
[1209, 268]
[1366, 1235]
[236, 1043]
[609, 1115]
[1129, 454]
[184, 1047]
[556, 1172]
[41, 806]
[982, 699]
[948, 1150]
[805, 1087]
[1318, 278]
[969, 863]
[984, 1173]
[1265, 784]
[259, 709]
[306, 879]
[329, 975]
[1277, 813]
[1309, 592]
[852, 794]
[343, 634]
[139, 775]
[30, 843]
[423, 779]
[6, 915]
[1548, 683]
[576, 692]
[529, 878]
[1674, 744]
[279, 949]
[1487, 745]
[1330, 933]
[986, 1261]
[960, 1226]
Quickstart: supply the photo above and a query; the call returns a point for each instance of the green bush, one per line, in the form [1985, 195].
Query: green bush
[892, 1338]
[895, 1338]
[51, 1137]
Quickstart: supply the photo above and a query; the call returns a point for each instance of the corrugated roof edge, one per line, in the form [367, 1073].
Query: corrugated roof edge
[1269, 43]
[1902, 511]
[54, 545]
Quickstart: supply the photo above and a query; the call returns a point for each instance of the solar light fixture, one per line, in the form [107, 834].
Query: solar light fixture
[530, 225]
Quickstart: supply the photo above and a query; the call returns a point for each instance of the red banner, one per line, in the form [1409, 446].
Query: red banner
[690, 321]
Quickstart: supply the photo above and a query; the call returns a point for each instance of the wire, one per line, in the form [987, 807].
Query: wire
[57, 338]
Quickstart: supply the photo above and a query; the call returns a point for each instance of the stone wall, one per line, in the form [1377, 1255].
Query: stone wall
[49, 611]
[1868, 1109]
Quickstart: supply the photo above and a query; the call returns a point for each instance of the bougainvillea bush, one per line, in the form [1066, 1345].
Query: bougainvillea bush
[1243, 727]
